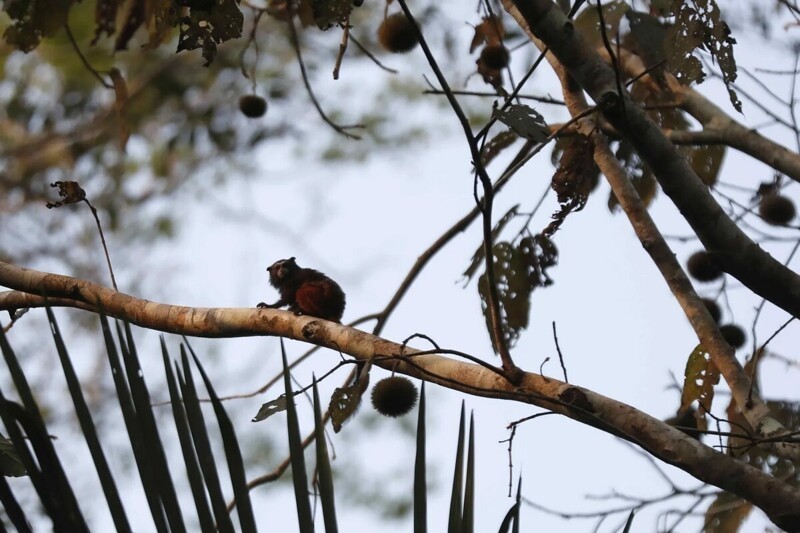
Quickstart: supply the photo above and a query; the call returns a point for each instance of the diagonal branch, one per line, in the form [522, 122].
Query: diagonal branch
[780, 501]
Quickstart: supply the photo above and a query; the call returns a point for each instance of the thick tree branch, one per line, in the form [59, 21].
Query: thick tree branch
[734, 251]
[778, 500]
[715, 121]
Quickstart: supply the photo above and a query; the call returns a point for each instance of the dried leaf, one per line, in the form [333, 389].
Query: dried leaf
[489, 31]
[133, 21]
[706, 161]
[726, 514]
[207, 29]
[34, 20]
[346, 400]
[270, 408]
[105, 18]
[328, 13]
[577, 174]
[477, 257]
[518, 270]
[70, 191]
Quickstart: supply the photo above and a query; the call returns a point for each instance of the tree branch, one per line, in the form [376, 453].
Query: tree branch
[778, 500]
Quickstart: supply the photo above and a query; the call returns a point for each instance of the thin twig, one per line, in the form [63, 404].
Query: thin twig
[296, 45]
[83, 59]
[103, 241]
[560, 356]
[342, 48]
[371, 55]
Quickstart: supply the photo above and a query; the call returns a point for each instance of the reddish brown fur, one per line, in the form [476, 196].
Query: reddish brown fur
[306, 291]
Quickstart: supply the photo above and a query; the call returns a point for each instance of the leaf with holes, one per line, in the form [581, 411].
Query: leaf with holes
[207, 29]
[698, 385]
[477, 257]
[587, 23]
[525, 121]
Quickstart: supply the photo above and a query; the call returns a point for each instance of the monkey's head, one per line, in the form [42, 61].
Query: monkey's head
[281, 271]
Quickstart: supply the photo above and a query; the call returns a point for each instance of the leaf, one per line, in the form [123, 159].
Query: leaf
[700, 376]
[518, 271]
[134, 19]
[328, 13]
[10, 461]
[577, 174]
[299, 479]
[478, 256]
[105, 15]
[489, 31]
[34, 20]
[726, 513]
[345, 400]
[270, 408]
[325, 480]
[454, 521]
[706, 161]
[587, 23]
[420, 472]
[698, 24]
[648, 35]
[207, 29]
[524, 120]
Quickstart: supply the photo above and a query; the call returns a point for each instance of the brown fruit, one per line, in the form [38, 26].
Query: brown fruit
[713, 309]
[252, 105]
[776, 209]
[734, 335]
[701, 267]
[495, 56]
[397, 34]
[394, 396]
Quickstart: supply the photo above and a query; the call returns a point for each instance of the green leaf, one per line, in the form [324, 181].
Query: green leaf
[193, 472]
[454, 522]
[10, 462]
[325, 482]
[89, 431]
[420, 477]
[587, 23]
[468, 515]
[700, 377]
[629, 522]
[299, 478]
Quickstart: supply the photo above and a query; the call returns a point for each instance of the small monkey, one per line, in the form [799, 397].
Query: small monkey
[305, 291]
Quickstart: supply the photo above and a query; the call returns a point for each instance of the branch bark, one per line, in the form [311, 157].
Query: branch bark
[778, 500]
[733, 250]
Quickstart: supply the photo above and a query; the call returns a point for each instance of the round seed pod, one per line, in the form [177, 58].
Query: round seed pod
[734, 335]
[777, 209]
[495, 56]
[396, 34]
[701, 267]
[252, 105]
[394, 396]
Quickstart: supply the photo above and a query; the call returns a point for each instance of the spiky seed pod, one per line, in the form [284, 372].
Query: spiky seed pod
[494, 56]
[733, 334]
[252, 105]
[776, 209]
[397, 34]
[701, 267]
[394, 396]
[713, 308]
